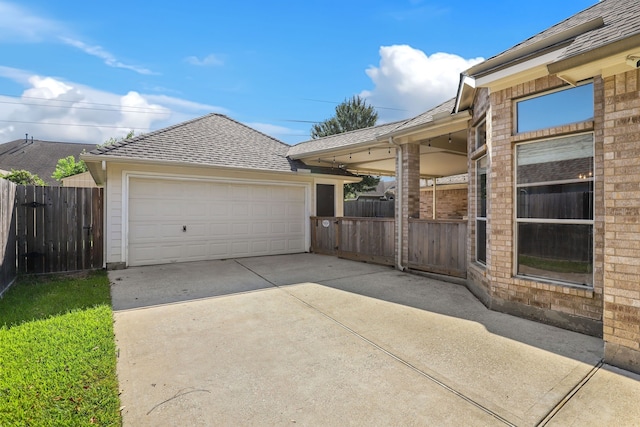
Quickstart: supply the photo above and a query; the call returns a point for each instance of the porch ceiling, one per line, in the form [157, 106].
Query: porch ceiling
[438, 157]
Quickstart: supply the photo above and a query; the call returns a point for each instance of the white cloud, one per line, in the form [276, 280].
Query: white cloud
[19, 25]
[56, 110]
[108, 58]
[211, 60]
[410, 80]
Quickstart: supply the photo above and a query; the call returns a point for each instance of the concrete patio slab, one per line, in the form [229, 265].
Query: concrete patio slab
[317, 340]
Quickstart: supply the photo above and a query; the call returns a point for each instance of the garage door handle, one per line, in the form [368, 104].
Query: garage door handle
[184, 228]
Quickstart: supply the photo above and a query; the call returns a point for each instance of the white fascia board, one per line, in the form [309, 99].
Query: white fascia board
[526, 68]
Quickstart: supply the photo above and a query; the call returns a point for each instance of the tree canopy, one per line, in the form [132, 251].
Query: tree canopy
[23, 177]
[68, 166]
[353, 114]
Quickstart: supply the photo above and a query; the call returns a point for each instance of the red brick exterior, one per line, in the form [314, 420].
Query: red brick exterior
[409, 201]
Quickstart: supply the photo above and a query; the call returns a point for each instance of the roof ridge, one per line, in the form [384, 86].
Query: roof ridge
[255, 130]
[137, 138]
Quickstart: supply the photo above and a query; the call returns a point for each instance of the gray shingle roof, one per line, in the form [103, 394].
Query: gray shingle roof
[369, 134]
[212, 140]
[621, 20]
[343, 139]
[428, 116]
[38, 157]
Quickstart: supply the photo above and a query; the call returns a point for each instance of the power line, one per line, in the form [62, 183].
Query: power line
[74, 124]
[71, 101]
[85, 108]
[333, 102]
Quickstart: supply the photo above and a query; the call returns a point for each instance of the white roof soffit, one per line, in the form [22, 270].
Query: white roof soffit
[606, 61]
[532, 58]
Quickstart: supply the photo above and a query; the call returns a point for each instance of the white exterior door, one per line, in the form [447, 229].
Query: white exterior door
[185, 220]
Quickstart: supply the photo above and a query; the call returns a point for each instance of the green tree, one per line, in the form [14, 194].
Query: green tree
[68, 166]
[353, 114]
[23, 177]
[113, 140]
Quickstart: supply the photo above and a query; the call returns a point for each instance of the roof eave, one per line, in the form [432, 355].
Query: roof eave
[95, 163]
[436, 125]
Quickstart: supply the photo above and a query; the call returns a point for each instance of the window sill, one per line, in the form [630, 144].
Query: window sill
[585, 126]
[479, 152]
[557, 286]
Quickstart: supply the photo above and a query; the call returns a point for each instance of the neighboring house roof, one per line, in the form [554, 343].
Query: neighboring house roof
[605, 23]
[38, 157]
[345, 139]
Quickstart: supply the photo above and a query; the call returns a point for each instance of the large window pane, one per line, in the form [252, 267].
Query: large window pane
[557, 251]
[558, 201]
[555, 109]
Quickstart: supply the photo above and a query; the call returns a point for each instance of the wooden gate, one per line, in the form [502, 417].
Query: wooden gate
[362, 239]
[438, 246]
[58, 228]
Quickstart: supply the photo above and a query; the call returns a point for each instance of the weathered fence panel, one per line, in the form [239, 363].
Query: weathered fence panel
[369, 208]
[438, 246]
[58, 229]
[363, 239]
[7, 234]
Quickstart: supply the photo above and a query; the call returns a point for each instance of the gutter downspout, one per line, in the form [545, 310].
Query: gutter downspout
[399, 222]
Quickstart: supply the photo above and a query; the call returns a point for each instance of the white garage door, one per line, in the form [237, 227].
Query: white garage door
[177, 221]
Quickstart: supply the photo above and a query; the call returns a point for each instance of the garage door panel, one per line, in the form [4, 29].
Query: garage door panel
[223, 220]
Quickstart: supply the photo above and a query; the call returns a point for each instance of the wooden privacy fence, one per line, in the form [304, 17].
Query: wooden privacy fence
[7, 234]
[438, 246]
[362, 239]
[58, 228]
[435, 246]
[369, 208]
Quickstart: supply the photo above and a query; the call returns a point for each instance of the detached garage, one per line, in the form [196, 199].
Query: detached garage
[210, 188]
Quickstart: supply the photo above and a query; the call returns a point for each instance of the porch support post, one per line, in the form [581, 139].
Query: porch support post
[408, 201]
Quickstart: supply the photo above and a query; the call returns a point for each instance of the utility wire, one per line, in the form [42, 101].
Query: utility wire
[86, 108]
[74, 124]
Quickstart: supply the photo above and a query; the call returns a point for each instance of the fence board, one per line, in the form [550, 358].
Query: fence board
[438, 246]
[8, 268]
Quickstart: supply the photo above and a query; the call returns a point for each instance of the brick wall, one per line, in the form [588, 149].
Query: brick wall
[477, 280]
[409, 180]
[622, 220]
[450, 203]
[565, 306]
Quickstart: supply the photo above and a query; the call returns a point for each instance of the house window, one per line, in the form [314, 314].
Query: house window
[554, 193]
[481, 134]
[481, 210]
[556, 108]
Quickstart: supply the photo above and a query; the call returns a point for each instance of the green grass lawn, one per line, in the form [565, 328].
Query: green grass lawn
[57, 353]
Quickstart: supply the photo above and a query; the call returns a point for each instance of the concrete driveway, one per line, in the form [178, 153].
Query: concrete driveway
[315, 340]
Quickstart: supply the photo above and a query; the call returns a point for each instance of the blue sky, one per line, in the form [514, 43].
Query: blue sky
[98, 69]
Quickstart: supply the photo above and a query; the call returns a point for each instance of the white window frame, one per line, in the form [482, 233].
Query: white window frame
[516, 221]
[483, 122]
[477, 217]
